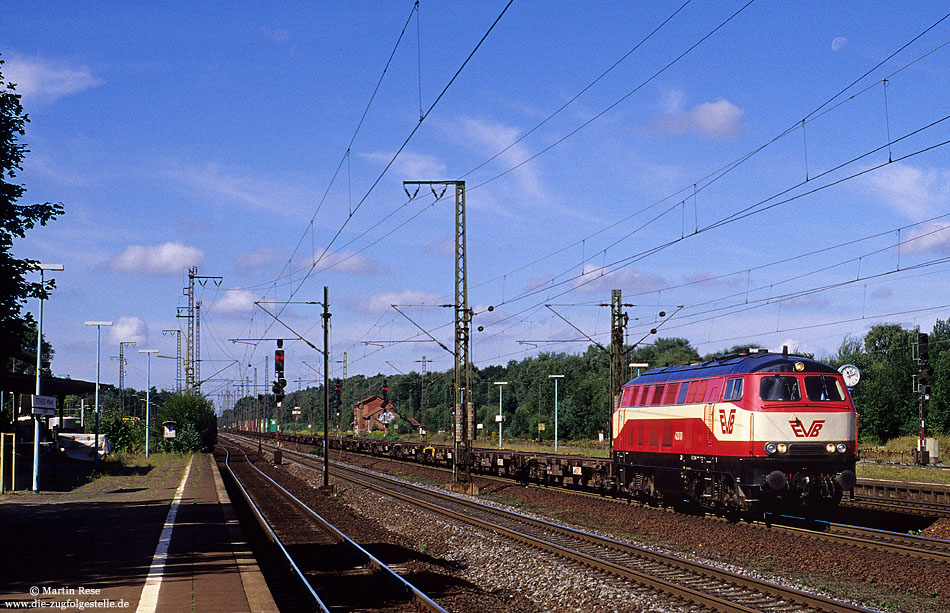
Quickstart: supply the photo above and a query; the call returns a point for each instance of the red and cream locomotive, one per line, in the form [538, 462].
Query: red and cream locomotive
[739, 434]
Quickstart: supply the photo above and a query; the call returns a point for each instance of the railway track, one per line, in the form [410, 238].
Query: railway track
[334, 571]
[907, 545]
[920, 508]
[689, 582]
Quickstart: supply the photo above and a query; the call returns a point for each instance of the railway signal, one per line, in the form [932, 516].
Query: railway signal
[280, 382]
[924, 372]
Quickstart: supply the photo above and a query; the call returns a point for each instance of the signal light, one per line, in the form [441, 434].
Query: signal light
[923, 349]
[385, 392]
[279, 363]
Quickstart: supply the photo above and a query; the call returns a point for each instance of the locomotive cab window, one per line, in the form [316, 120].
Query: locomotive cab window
[733, 389]
[823, 388]
[779, 387]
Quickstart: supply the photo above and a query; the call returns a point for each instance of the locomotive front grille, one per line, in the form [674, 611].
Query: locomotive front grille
[807, 449]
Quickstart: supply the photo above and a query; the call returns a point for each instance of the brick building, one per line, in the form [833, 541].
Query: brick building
[372, 413]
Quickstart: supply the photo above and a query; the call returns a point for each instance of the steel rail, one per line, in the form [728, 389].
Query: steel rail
[418, 598]
[914, 546]
[711, 601]
[908, 545]
[865, 538]
[270, 532]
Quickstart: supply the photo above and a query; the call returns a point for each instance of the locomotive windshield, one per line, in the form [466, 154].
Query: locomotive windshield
[823, 388]
[818, 388]
[779, 387]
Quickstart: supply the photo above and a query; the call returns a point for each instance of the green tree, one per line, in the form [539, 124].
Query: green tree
[15, 220]
[195, 420]
[666, 352]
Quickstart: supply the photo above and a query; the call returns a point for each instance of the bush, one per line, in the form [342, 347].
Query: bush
[197, 426]
[187, 439]
[125, 435]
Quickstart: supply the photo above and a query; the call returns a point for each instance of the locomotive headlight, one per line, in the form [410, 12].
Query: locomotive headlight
[830, 447]
[771, 448]
[782, 447]
[842, 447]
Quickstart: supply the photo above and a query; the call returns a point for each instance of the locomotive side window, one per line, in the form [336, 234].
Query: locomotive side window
[697, 391]
[683, 389]
[823, 388]
[658, 395]
[779, 387]
[670, 396]
[627, 400]
[733, 389]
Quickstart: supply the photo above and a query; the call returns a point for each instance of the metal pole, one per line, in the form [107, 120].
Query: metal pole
[555, 377]
[148, 390]
[326, 388]
[98, 350]
[36, 418]
[501, 385]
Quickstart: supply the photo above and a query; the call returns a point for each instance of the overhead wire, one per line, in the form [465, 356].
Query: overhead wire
[396, 154]
[708, 180]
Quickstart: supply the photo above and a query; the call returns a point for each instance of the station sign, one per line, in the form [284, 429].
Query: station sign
[31, 404]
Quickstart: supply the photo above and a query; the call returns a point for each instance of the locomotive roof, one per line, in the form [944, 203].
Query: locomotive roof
[732, 365]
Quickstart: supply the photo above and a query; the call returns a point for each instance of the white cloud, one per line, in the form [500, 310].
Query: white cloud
[128, 329]
[598, 280]
[235, 301]
[490, 137]
[444, 246]
[263, 257]
[164, 259]
[46, 79]
[705, 279]
[350, 262]
[276, 34]
[838, 43]
[913, 192]
[934, 236]
[717, 120]
[411, 166]
[239, 188]
[378, 303]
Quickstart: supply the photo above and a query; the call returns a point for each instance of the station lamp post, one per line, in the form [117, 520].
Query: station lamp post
[148, 390]
[98, 325]
[501, 385]
[638, 366]
[39, 350]
[555, 377]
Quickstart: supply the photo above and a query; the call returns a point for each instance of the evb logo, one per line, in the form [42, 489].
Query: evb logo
[727, 424]
[800, 431]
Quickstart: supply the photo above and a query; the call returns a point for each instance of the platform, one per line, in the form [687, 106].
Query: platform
[160, 538]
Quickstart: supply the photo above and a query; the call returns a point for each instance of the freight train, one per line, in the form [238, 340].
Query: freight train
[735, 436]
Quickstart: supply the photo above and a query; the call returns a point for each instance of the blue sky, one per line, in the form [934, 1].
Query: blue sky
[217, 135]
